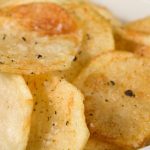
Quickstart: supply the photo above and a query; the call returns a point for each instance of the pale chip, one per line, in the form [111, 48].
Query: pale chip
[37, 38]
[103, 11]
[4, 3]
[95, 144]
[15, 112]
[58, 121]
[134, 37]
[98, 32]
[98, 36]
[117, 98]
[141, 25]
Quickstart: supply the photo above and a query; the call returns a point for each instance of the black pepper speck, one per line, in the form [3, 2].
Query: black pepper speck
[39, 56]
[112, 83]
[4, 37]
[1, 63]
[23, 38]
[88, 36]
[106, 100]
[32, 73]
[75, 58]
[67, 123]
[129, 93]
[91, 114]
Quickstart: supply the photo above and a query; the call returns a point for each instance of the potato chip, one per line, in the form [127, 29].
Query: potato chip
[103, 11]
[37, 38]
[97, 39]
[4, 3]
[135, 37]
[132, 46]
[140, 30]
[117, 98]
[58, 121]
[142, 25]
[95, 144]
[15, 112]
[98, 35]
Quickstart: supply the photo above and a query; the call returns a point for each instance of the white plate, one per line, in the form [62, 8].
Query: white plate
[128, 10]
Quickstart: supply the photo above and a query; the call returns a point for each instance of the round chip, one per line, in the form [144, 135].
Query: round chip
[98, 36]
[58, 121]
[15, 112]
[96, 144]
[98, 32]
[37, 38]
[4, 3]
[117, 98]
[135, 37]
[103, 11]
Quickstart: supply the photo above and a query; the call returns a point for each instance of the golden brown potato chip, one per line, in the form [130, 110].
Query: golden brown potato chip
[98, 35]
[135, 37]
[4, 3]
[58, 121]
[117, 98]
[103, 11]
[37, 38]
[142, 25]
[15, 112]
[97, 39]
[132, 46]
[95, 144]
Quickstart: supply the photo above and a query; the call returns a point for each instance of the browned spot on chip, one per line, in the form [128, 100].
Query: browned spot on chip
[44, 18]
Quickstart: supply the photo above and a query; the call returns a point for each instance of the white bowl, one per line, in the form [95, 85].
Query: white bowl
[128, 10]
